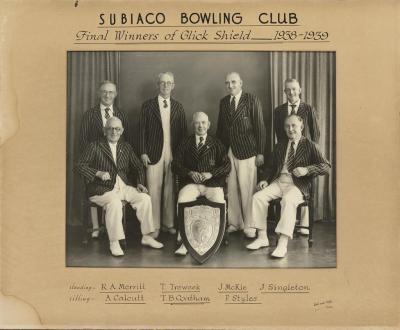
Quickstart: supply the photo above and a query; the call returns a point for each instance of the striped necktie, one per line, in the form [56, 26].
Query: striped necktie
[233, 104]
[107, 110]
[201, 143]
[293, 107]
[290, 158]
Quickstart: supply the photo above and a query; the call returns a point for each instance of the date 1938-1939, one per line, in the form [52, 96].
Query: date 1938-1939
[307, 35]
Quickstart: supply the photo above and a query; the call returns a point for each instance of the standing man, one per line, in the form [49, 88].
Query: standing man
[241, 129]
[289, 176]
[105, 165]
[92, 127]
[295, 106]
[202, 165]
[162, 126]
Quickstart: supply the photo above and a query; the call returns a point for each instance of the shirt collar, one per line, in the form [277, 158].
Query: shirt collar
[296, 142]
[198, 139]
[296, 103]
[237, 96]
[161, 99]
[103, 107]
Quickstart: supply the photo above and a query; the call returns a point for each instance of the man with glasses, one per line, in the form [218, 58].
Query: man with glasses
[105, 165]
[162, 127]
[92, 127]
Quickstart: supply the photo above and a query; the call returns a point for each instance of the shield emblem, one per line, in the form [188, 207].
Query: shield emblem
[202, 227]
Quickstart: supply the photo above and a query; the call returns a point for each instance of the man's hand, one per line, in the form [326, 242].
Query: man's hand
[103, 175]
[262, 184]
[206, 176]
[300, 171]
[259, 160]
[145, 160]
[142, 188]
[196, 177]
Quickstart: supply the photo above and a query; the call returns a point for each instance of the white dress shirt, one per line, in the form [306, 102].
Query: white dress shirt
[119, 184]
[284, 168]
[165, 119]
[198, 139]
[296, 108]
[103, 112]
[237, 99]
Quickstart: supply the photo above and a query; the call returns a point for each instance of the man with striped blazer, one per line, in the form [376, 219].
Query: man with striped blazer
[289, 176]
[162, 126]
[202, 165]
[92, 127]
[105, 165]
[241, 129]
[311, 128]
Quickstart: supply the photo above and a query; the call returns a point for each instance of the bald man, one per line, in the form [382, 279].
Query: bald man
[105, 165]
[241, 129]
[202, 165]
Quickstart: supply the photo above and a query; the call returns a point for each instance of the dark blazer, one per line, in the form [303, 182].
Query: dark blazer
[97, 156]
[211, 157]
[151, 138]
[92, 126]
[244, 129]
[307, 155]
[306, 112]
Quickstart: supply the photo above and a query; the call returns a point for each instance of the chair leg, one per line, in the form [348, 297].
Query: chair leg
[310, 224]
[85, 223]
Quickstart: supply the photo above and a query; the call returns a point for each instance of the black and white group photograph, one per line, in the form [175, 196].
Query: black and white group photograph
[201, 159]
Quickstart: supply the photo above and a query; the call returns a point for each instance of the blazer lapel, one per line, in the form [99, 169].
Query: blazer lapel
[107, 151]
[301, 110]
[193, 148]
[155, 108]
[97, 118]
[240, 107]
[207, 146]
[299, 151]
[174, 111]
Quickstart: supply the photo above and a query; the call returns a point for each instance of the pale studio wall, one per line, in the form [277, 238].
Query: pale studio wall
[199, 80]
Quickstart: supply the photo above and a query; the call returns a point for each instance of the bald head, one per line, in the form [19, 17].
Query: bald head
[113, 129]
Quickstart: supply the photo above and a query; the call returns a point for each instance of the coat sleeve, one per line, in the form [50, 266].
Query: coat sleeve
[320, 166]
[127, 129]
[220, 124]
[142, 129]
[313, 124]
[84, 133]
[258, 125]
[84, 164]
[137, 167]
[223, 163]
[182, 124]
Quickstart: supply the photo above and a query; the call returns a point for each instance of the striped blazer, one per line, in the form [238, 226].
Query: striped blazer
[211, 157]
[97, 156]
[92, 126]
[306, 112]
[307, 155]
[151, 138]
[243, 130]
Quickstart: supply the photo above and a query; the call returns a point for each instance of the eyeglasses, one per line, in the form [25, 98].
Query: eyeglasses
[107, 92]
[117, 129]
[166, 83]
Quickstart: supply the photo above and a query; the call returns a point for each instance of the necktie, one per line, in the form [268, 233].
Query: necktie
[200, 143]
[290, 158]
[293, 107]
[165, 104]
[233, 104]
[107, 113]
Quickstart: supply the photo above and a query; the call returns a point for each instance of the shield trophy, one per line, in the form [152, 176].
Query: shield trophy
[202, 227]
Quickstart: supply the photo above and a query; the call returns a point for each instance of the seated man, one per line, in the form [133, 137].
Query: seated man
[202, 165]
[105, 165]
[289, 176]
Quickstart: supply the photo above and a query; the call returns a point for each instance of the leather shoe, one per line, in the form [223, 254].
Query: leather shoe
[250, 232]
[150, 241]
[182, 251]
[279, 252]
[115, 249]
[258, 243]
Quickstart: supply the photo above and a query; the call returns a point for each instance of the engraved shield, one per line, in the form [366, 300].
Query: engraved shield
[202, 227]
